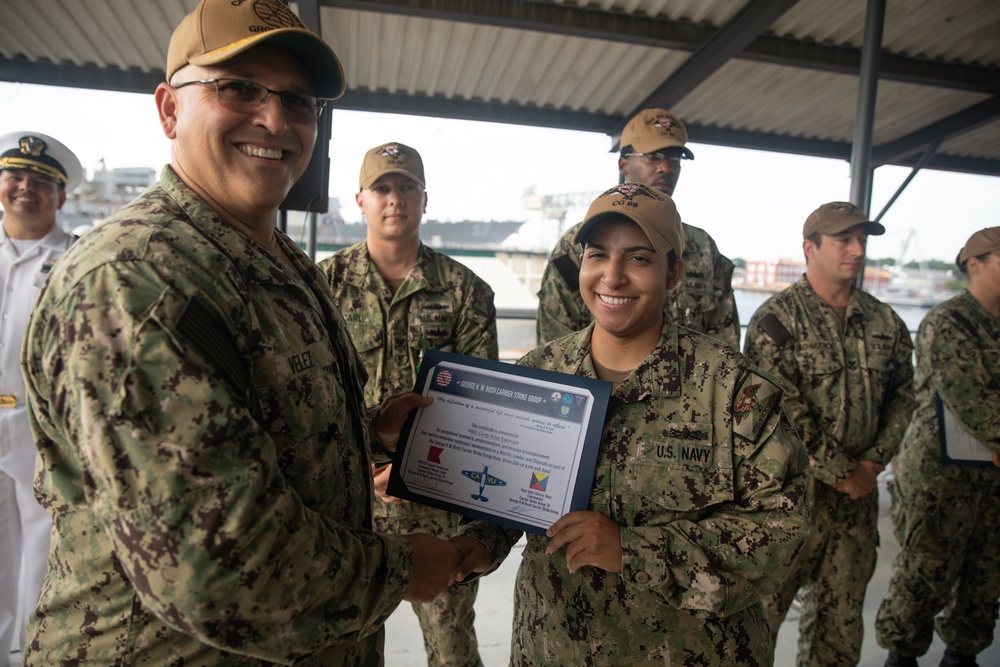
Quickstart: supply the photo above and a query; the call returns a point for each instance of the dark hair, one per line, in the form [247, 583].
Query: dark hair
[817, 239]
[964, 266]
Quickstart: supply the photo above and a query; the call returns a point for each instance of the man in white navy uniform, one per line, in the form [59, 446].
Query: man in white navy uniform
[36, 172]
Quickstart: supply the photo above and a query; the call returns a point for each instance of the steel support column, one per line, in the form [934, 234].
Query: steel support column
[864, 120]
[309, 14]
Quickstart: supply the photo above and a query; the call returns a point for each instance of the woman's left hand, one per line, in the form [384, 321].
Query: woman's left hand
[590, 538]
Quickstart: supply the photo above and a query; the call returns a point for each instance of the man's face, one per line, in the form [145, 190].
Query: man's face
[623, 280]
[659, 174]
[243, 164]
[30, 202]
[984, 276]
[839, 257]
[393, 206]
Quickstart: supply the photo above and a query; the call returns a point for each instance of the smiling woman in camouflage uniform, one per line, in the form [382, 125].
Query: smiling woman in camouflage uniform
[947, 516]
[697, 508]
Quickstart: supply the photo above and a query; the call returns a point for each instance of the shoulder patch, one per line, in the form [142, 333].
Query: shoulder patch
[203, 330]
[773, 327]
[754, 402]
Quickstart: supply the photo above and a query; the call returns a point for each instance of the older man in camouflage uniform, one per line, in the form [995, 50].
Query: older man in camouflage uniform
[845, 359]
[697, 508]
[198, 404]
[653, 145]
[400, 297]
[946, 513]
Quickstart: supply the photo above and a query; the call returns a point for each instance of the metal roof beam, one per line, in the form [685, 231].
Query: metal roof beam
[573, 21]
[958, 123]
[847, 60]
[383, 102]
[717, 136]
[567, 20]
[966, 165]
[726, 43]
[80, 76]
[591, 23]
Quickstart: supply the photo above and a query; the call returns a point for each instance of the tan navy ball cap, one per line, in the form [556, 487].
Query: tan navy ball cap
[981, 243]
[218, 30]
[655, 129]
[41, 154]
[837, 217]
[649, 208]
[391, 158]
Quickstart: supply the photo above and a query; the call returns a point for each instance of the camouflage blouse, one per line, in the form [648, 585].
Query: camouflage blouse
[204, 452]
[706, 478]
[848, 387]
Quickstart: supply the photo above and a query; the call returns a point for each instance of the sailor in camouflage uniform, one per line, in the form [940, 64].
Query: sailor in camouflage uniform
[697, 508]
[400, 297]
[653, 145]
[198, 404]
[947, 516]
[845, 360]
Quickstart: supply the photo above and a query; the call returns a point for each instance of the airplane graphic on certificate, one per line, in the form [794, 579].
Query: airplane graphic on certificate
[528, 437]
[485, 479]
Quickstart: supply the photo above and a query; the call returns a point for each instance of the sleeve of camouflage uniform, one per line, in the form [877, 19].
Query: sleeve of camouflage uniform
[952, 355]
[476, 334]
[897, 401]
[561, 310]
[728, 556]
[497, 540]
[186, 483]
[724, 320]
[830, 464]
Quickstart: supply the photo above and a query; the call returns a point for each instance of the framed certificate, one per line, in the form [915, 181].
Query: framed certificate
[958, 446]
[512, 445]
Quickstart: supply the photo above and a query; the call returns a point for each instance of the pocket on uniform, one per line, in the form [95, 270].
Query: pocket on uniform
[684, 470]
[300, 404]
[366, 337]
[431, 329]
[683, 488]
[880, 356]
[817, 360]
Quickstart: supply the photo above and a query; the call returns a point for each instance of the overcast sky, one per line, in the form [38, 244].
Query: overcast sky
[752, 202]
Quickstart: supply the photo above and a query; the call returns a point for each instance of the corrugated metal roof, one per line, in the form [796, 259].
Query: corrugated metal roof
[590, 64]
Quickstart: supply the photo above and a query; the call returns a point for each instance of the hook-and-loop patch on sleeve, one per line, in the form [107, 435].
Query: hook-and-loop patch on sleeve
[754, 402]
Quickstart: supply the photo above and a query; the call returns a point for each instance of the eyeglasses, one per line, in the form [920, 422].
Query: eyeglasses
[248, 97]
[657, 158]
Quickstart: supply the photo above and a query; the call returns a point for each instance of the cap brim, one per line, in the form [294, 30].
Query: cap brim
[315, 55]
[662, 247]
[873, 228]
[409, 174]
[654, 146]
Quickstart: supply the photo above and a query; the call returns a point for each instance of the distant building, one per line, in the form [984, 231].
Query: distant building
[774, 276]
[99, 197]
[771, 275]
